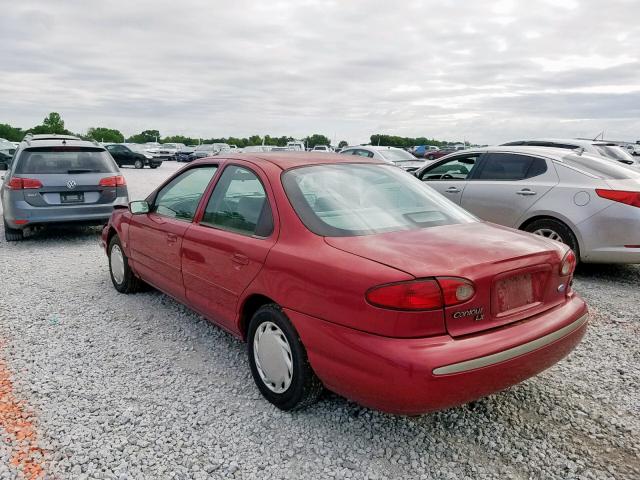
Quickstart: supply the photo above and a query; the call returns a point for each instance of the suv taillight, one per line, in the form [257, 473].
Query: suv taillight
[17, 183]
[422, 294]
[117, 181]
[629, 198]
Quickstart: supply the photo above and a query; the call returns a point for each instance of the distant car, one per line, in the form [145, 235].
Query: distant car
[123, 155]
[182, 155]
[167, 151]
[608, 150]
[347, 273]
[421, 151]
[322, 148]
[208, 150]
[584, 201]
[59, 179]
[296, 145]
[396, 156]
[633, 148]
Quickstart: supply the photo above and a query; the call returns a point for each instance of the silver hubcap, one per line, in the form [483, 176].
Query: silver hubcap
[117, 264]
[548, 233]
[272, 355]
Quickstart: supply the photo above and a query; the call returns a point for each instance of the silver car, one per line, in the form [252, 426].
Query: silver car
[396, 156]
[609, 150]
[59, 179]
[589, 203]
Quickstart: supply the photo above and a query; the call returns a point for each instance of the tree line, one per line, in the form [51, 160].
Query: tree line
[53, 123]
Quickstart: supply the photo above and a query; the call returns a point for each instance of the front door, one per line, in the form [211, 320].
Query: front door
[155, 239]
[449, 177]
[224, 252]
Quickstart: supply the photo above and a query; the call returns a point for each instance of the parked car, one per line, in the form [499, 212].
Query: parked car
[59, 179]
[208, 150]
[296, 145]
[347, 273]
[421, 151]
[123, 155]
[608, 150]
[182, 155]
[585, 201]
[167, 151]
[322, 149]
[396, 156]
[633, 148]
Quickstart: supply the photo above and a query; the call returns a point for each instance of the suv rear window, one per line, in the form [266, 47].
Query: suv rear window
[53, 160]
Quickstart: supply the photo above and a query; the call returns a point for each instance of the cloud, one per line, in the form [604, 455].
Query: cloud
[483, 71]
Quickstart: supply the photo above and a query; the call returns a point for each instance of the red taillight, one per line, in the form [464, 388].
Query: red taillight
[629, 198]
[422, 294]
[568, 264]
[17, 183]
[117, 181]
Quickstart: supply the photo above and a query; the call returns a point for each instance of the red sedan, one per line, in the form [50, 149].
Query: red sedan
[350, 274]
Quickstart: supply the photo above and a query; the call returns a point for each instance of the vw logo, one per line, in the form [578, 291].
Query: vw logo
[71, 184]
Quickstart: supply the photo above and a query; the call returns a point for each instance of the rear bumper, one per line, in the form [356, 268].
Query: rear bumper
[414, 376]
[22, 215]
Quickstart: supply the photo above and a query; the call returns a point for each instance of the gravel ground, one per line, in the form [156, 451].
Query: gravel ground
[140, 387]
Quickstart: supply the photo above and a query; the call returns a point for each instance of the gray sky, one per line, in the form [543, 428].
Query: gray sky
[487, 71]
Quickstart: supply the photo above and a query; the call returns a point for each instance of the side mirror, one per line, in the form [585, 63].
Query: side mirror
[4, 166]
[138, 207]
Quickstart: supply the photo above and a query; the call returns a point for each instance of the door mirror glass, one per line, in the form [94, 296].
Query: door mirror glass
[139, 207]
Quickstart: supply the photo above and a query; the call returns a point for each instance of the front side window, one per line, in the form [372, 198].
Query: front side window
[179, 198]
[364, 199]
[458, 168]
[239, 204]
[511, 166]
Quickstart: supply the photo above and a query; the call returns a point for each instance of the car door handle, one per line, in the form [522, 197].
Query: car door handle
[240, 259]
[525, 192]
[172, 238]
[452, 190]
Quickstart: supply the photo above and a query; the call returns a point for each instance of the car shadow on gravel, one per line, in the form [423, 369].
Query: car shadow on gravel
[63, 232]
[612, 272]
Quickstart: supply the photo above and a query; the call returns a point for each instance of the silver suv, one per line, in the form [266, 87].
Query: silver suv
[59, 179]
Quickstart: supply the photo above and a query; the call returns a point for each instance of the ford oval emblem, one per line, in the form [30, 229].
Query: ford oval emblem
[71, 184]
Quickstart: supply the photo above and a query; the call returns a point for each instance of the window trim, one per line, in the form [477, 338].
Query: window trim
[151, 199]
[472, 174]
[199, 219]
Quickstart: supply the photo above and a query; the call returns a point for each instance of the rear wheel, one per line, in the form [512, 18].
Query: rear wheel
[12, 234]
[278, 361]
[153, 166]
[138, 164]
[122, 276]
[554, 230]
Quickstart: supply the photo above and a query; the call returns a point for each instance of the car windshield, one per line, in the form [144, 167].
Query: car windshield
[615, 152]
[601, 167]
[54, 160]
[360, 199]
[397, 155]
[205, 147]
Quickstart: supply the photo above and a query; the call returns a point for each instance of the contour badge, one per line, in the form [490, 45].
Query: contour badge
[473, 312]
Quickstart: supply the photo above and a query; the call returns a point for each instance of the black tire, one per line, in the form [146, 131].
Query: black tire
[138, 164]
[12, 234]
[130, 283]
[305, 387]
[153, 166]
[430, 157]
[562, 230]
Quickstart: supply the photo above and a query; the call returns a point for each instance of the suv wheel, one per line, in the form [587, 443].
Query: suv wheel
[278, 361]
[12, 234]
[138, 164]
[122, 276]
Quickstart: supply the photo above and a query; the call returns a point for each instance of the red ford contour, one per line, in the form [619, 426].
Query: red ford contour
[352, 275]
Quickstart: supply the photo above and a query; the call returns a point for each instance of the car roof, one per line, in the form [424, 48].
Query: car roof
[292, 159]
[554, 152]
[61, 140]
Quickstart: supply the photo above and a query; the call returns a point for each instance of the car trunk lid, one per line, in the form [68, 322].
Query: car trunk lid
[515, 274]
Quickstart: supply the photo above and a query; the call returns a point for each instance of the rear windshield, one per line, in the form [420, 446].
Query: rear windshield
[397, 156]
[615, 152]
[601, 167]
[363, 199]
[52, 160]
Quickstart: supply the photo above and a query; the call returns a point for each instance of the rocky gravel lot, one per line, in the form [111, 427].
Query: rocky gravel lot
[139, 387]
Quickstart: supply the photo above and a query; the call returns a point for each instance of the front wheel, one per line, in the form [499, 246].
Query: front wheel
[122, 276]
[279, 362]
[554, 230]
[138, 164]
[153, 166]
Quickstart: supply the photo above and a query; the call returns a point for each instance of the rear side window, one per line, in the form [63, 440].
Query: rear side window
[510, 166]
[239, 204]
[65, 160]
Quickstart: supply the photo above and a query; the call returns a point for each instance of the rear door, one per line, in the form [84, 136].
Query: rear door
[507, 185]
[224, 252]
[70, 176]
[155, 239]
[450, 177]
